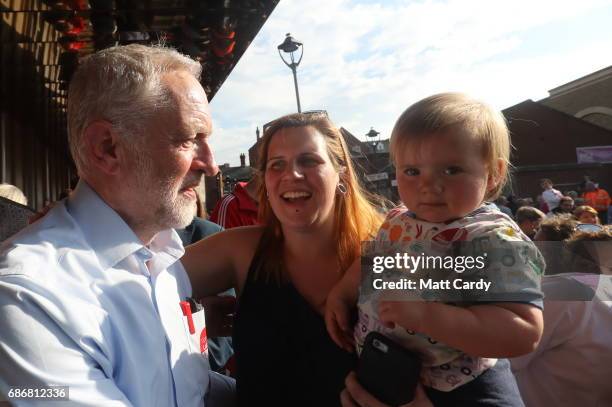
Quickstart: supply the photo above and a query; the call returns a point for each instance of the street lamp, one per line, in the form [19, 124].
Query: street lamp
[290, 46]
[373, 135]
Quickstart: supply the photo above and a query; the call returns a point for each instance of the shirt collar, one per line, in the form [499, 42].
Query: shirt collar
[109, 236]
[485, 207]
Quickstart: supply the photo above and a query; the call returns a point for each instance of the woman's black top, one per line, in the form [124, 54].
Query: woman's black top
[284, 355]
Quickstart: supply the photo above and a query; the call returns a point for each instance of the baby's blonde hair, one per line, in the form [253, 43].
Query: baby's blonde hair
[457, 112]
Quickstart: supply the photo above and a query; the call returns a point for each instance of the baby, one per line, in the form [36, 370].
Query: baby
[451, 155]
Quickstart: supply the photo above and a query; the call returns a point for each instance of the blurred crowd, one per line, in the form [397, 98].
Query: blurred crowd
[589, 205]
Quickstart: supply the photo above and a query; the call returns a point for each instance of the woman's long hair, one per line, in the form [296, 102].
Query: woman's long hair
[355, 217]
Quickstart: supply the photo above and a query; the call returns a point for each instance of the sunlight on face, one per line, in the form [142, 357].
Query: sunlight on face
[300, 178]
[443, 177]
[175, 155]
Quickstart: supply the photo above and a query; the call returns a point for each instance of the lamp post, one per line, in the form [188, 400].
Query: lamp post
[290, 46]
[374, 139]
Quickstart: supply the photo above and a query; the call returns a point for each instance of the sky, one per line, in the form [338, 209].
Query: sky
[366, 61]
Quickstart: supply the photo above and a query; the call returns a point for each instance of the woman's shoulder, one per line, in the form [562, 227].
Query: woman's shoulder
[243, 238]
[226, 253]
[246, 231]
[235, 242]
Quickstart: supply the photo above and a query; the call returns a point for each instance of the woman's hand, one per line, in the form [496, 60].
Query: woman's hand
[219, 314]
[340, 303]
[338, 319]
[356, 396]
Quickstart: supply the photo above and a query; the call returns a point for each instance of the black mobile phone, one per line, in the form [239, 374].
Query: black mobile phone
[388, 371]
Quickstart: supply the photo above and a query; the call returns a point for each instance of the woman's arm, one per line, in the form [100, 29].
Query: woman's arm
[341, 300]
[491, 330]
[221, 261]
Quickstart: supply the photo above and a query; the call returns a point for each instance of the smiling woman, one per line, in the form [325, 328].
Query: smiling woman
[305, 154]
[300, 178]
[314, 215]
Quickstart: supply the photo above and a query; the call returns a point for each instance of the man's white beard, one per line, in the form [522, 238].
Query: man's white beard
[162, 204]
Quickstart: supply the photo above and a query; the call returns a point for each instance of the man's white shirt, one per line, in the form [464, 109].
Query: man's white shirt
[552, 197]
[84, 304]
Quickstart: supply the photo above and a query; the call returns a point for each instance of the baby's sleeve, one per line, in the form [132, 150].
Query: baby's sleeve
[512, 264]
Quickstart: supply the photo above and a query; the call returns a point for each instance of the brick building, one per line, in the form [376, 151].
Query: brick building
[545, 142]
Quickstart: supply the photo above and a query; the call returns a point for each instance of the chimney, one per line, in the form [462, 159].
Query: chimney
[242, 159]
[257, 133]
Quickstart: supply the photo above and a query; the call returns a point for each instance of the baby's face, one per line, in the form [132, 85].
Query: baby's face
[442, 177]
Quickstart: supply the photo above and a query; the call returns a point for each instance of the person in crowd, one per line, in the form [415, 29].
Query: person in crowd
[512, 203]
[520, 202]
[93, 295]
[314, 216]
[586, 214]
[542, 204]
[598, 199]
[566, 206]
[528, 219]
[576, 197]
[585, 180]
[238, 208]
[451, 153]
[590, 249]
[14, 213]
[556, 228]
[13, 193]
[552, 232]
[550, 195]
[502, 204]
[568, 367]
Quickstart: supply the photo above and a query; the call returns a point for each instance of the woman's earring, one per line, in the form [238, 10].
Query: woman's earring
[341, 188]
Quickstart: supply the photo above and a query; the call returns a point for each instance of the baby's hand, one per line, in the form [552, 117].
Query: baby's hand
[407, 314]
[338, 319]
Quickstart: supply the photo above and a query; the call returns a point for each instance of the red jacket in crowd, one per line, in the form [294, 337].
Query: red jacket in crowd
[235, 209]
[597, 199]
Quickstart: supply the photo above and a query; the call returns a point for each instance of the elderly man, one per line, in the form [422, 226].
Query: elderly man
[92, 297]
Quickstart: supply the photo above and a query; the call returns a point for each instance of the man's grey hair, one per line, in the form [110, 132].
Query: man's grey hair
[121, 85]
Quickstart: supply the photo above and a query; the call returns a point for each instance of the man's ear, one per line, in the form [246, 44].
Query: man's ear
[100, 140]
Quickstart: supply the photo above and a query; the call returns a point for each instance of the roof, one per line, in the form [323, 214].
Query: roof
[543, 135]
[352, 142]
[46, 39]
[237, 173]
[586, 80]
